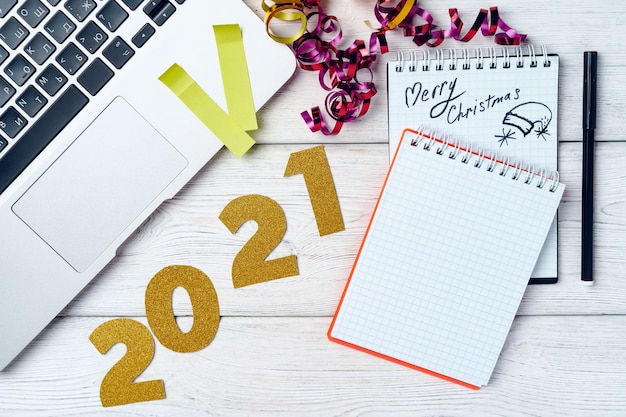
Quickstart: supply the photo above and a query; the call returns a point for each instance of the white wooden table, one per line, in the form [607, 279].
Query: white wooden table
[566, 353]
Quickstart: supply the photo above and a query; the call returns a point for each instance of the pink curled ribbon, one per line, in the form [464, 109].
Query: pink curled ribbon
[488, 22]
[349, 96]
[488, 27]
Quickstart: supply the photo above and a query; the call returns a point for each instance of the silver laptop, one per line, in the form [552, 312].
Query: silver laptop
[91, 142]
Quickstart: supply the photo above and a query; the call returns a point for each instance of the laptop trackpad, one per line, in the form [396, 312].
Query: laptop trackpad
[99, 185]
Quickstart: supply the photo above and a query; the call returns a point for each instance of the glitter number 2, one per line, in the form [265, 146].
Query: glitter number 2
[118, 386]
[250, 266]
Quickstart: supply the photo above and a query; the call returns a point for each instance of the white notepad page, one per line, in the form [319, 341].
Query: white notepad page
[444, 263]
[503, 100]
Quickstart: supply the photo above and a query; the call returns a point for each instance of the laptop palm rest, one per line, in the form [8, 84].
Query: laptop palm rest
[111, 173]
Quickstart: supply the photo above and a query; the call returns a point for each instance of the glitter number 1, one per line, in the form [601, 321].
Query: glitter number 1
[313, 165]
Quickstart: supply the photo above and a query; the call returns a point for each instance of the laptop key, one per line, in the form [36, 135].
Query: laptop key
[12, 122]
[92, 37]
[143, 35]
[13, 33]
[3, 144]
[118, 52]
[164, 14]
[51, 80]
[159, 10]
[60, 27]
[153, 7]
[31, 101]
[40, 134]
[19, 69]
[80, 9]
[71, 58]
[33, 12]
[95, 76]
[39, 48]
[6, 91]
[54, 2]
[112, 15]
[6, 6]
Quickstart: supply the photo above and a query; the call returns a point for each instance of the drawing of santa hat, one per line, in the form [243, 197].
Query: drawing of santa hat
[527, 115]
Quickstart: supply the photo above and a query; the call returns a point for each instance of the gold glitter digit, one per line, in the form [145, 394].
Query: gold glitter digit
[313, 165]
[204, 302]
[118, 386]
[251, 266]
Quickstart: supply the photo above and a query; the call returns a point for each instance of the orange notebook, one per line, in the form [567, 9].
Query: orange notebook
[446, 258]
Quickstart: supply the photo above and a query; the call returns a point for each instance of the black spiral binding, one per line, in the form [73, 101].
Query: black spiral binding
[465, 59]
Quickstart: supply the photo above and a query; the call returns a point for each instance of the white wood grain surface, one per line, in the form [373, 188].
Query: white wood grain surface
[565, 356]
[284, 366]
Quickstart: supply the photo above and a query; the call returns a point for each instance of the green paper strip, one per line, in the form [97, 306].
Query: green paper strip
[207, 110]
[235, 77]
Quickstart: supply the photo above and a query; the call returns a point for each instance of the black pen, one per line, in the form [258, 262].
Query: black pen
[589, 124]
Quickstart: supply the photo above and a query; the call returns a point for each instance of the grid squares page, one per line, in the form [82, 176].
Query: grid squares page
[444, 264]
[502, 101]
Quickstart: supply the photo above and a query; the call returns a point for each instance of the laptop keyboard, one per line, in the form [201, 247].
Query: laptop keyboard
[54, 55]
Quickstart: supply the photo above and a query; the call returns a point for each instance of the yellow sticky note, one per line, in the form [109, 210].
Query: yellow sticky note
[235, 77]
[207, 110]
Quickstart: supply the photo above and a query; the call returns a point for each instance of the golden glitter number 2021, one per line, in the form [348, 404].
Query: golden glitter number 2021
[250, 266]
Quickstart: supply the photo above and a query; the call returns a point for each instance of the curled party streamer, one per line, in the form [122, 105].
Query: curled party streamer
[315, 47]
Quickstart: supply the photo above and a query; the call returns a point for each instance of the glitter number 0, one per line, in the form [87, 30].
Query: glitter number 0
[118, 386]
[160, 312]
[251, 266]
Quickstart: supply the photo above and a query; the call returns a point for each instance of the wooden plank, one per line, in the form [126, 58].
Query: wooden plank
[557, 366]
[187, 231]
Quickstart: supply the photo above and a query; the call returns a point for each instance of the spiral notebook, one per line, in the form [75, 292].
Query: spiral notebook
[502, 100]
[446, 258]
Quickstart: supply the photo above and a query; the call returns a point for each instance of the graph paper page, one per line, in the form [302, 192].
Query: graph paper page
[444, 265]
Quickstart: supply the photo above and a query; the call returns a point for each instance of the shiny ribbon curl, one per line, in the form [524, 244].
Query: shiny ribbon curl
[429, 34]
[287, 11]
[395, 15]
[488, 27]
[348, 98]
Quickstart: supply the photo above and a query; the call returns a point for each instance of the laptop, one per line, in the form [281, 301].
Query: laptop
[91, 142]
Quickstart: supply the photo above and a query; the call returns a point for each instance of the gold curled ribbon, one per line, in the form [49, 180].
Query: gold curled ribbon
[207, 110]
[286, 11]
[402, 14]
